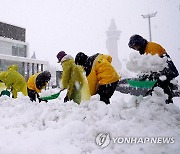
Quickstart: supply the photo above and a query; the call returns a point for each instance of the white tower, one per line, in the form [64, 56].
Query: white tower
[111, 44]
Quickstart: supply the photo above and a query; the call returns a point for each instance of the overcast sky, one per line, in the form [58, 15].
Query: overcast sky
[80, 25]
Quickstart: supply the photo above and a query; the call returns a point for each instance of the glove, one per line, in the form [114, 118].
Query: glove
[42, 100]
[154, 76]
[39, 100]
[144, 77]
[66, 98]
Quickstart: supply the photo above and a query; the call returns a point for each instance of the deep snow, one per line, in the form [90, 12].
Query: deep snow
[62, 128]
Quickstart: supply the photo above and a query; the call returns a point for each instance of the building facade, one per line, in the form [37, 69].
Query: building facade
[15, 50]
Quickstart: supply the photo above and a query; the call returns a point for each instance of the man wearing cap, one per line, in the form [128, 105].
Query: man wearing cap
[170, 72]
[73, 79]
[101, 75]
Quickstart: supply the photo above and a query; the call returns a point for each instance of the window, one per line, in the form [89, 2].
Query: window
[19, 50]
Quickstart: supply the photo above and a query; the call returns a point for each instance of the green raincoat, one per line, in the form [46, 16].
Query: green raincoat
[74, 80]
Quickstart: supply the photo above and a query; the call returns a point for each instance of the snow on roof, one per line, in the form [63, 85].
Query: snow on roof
[22, 59]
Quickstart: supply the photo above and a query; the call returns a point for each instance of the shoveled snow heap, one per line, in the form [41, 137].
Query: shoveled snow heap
[145, 63]
[62, 128]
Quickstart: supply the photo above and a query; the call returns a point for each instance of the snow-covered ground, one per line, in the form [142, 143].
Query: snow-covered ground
[128, 125]
[62, 128]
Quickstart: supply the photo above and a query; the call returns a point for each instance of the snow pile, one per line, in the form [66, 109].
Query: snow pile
[62, 128]
[145, 63]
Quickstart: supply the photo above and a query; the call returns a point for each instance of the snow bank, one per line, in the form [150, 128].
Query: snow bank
[62, 128]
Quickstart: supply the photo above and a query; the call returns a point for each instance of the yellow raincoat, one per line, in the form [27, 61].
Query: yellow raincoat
[31, 83]
[102, 73]
[14, 80]
[154, 48]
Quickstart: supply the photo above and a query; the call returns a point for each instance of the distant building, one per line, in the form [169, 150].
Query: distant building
[14, 50]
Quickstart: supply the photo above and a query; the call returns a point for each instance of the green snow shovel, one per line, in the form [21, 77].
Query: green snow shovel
[53, 96]
[141, 84]
[135, 86]
[5, 92]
